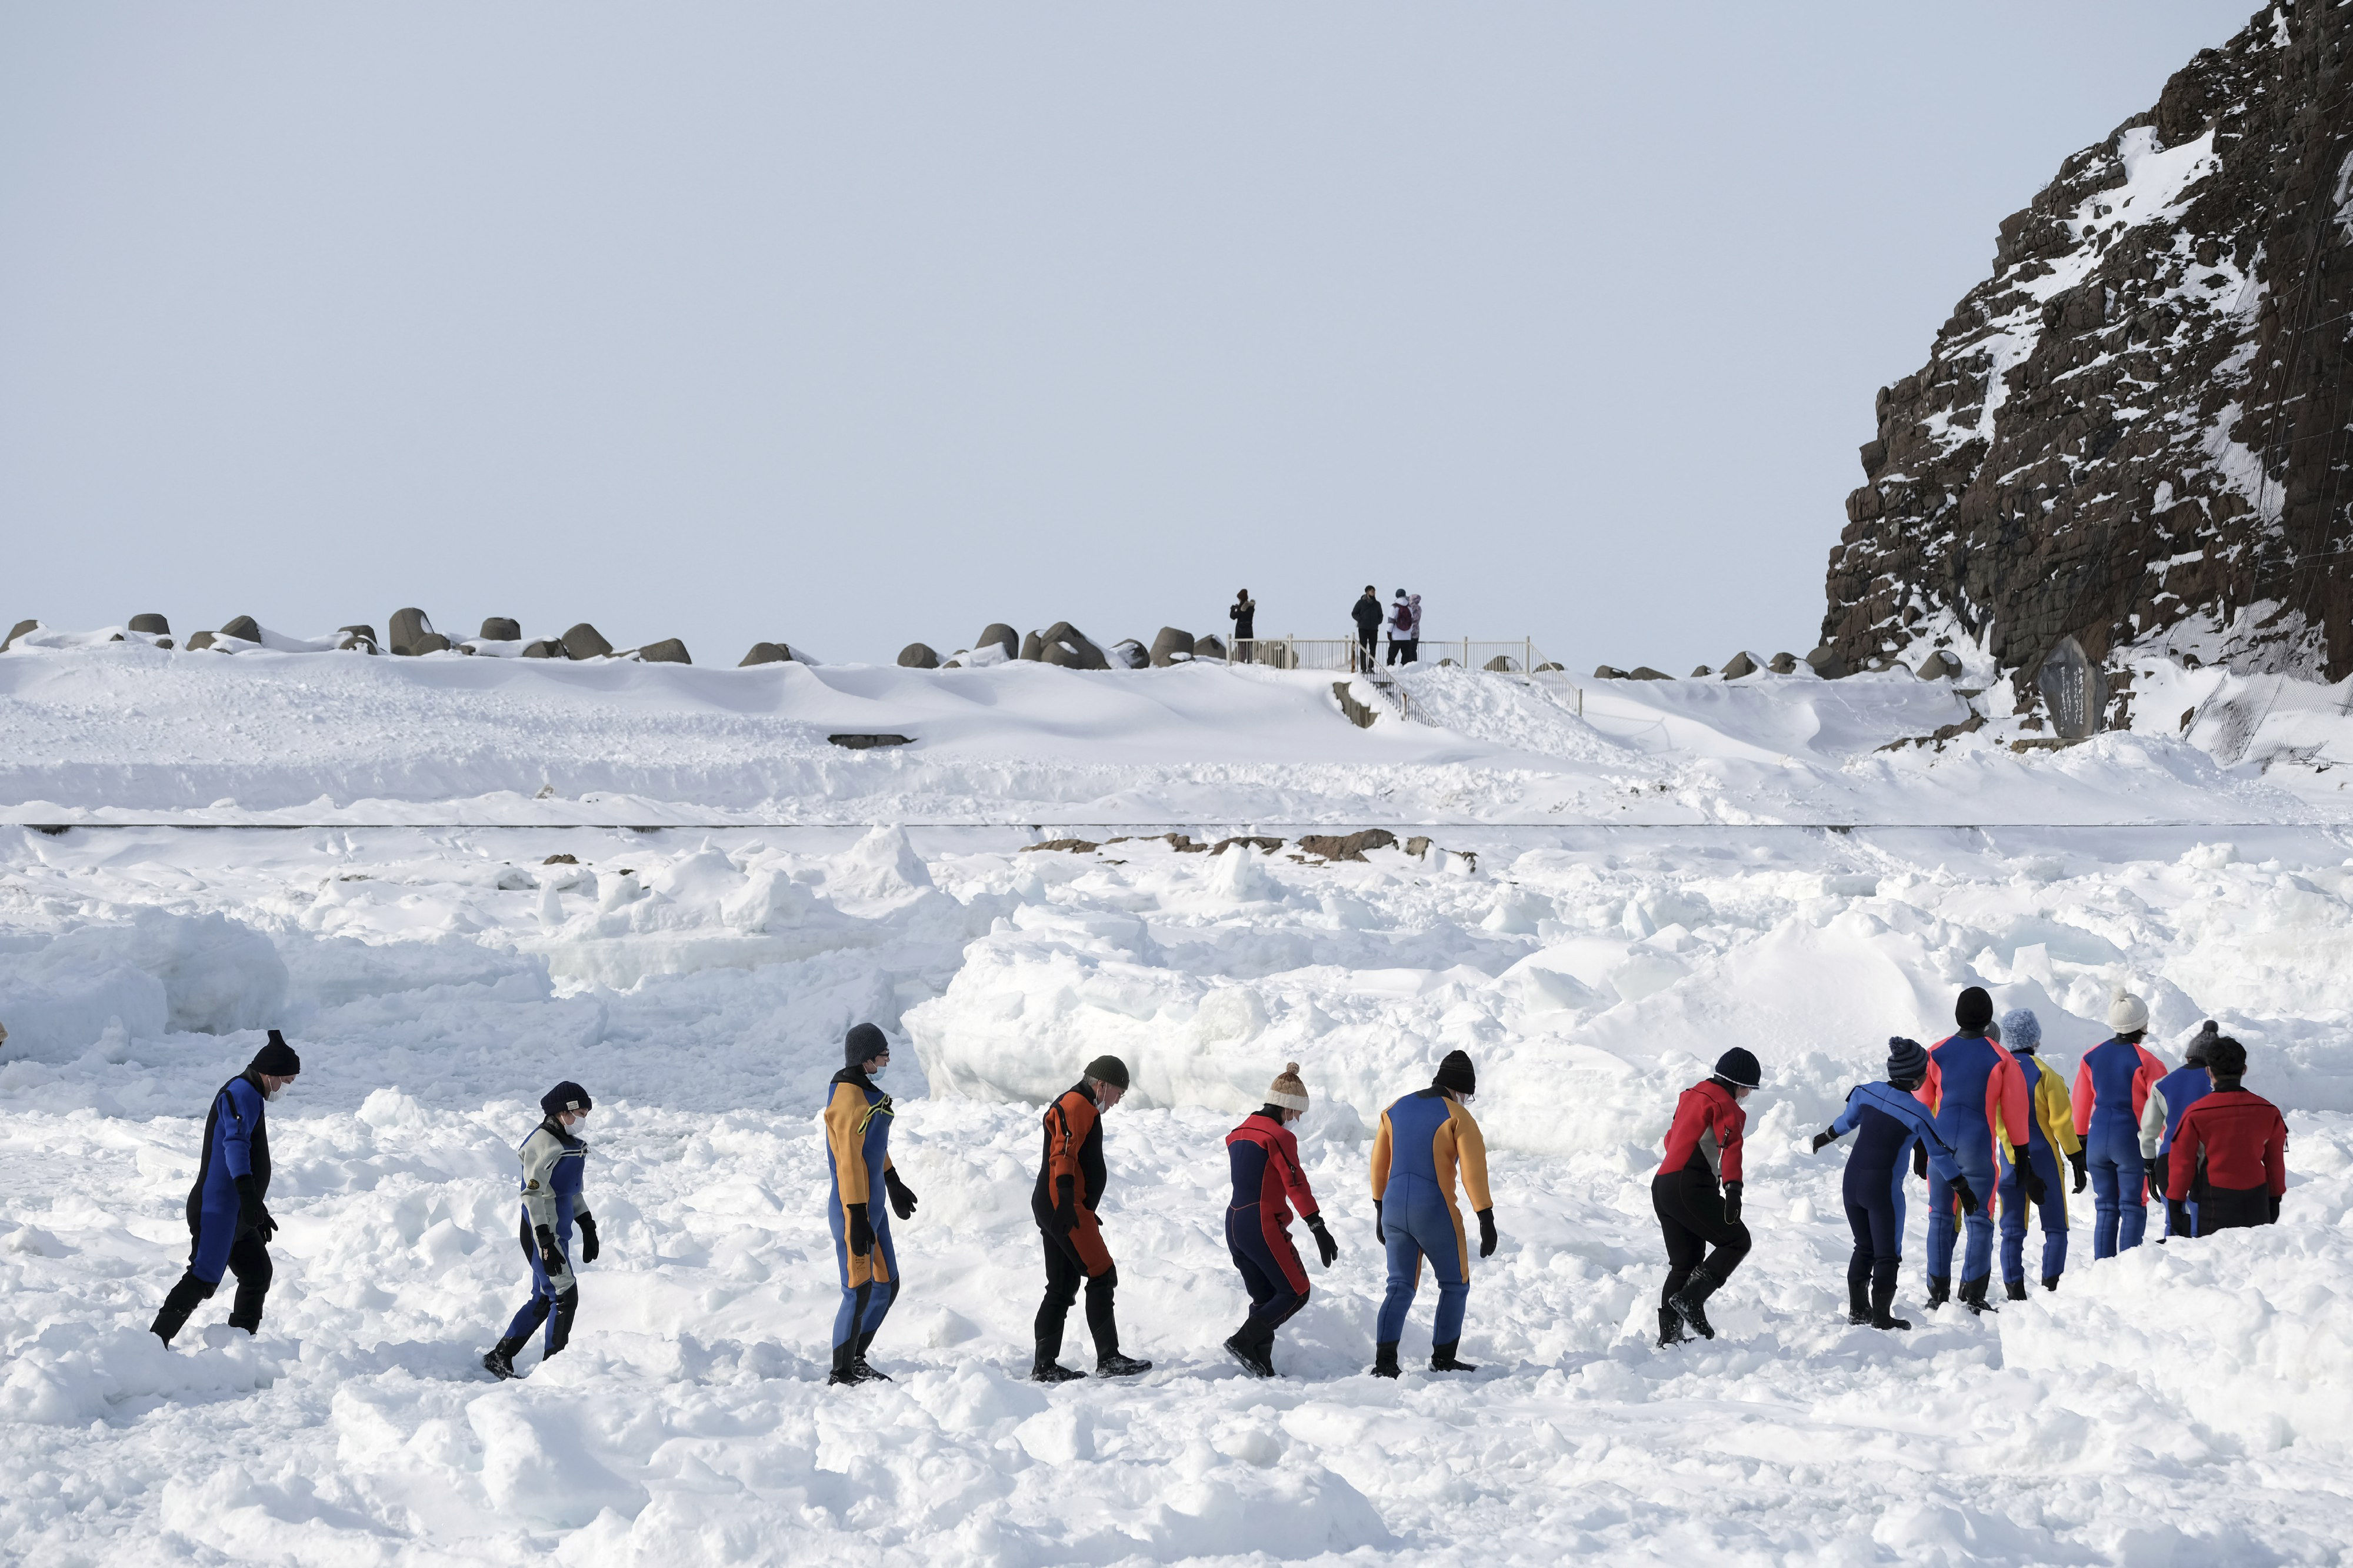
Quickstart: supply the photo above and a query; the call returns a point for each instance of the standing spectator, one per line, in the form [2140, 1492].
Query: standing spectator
[2230, 1152]
[1413, 632]
[1244, 613]
[1400, 628]
[1367, 617]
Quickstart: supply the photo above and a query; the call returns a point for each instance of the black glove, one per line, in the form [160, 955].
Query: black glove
[1325, 1247]
[861, 1234]
[550, 1257]
[1732, 1203]
[250, 1213]
[1379, 1236]
[1066, 1204]
[1920, 1161]
[588, 1225]
[2083, 1171]
[2037, 1191]
[1824, 1138]
[2274, 1218]
[902, 1196]
[1963, 1191]
[1486, 1232]
[2177, 1210]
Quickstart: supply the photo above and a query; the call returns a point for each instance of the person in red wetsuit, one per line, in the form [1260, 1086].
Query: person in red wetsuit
[1268, 1184]
[2230, 1153]
[1695, 1212]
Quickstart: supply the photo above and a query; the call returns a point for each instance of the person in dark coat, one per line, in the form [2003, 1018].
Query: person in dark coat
[1244, 613]
[1367, 617]
[229, 1227]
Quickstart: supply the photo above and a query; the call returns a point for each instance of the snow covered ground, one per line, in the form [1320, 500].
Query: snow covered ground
[2185, 1405]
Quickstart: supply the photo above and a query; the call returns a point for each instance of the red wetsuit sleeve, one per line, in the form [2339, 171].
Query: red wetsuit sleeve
[2276, 1156]
[2182, 1161]
[1731, 1122]
[2006, 1097]
[1294, 1179]
[2145, 1078]
[2083, 1097]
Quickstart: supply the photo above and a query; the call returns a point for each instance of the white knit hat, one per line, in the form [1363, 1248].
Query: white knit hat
[1288, 1092]
[2126, 1012]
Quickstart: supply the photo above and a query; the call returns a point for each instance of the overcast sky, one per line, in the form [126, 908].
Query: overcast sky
[852, 325]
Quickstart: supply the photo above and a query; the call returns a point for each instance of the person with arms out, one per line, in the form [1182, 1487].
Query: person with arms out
[1696, 1193]
[2169, 1100]
[229, 1227]
[1889, 1124]
[1244, 613]
[2051, 1139]
[1367, 617]
[1070, 1180]
[553, 1161]
[1427, 1140]
[2230, 1153]
[1978, 1098]
[1267, 1183]
[2112, 1085]
[858, 1148]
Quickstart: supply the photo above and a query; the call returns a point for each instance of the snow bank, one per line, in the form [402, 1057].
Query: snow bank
[159, 973]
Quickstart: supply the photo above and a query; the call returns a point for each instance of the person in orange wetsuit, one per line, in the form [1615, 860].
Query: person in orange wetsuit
[2230, 1153]
[1426, 1140]
[1070, 1180]
[1695, 1212]
[1267, 1183]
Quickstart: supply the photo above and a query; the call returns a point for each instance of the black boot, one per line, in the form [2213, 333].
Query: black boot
[500, 1361]
[1858, 1292]
[1443, 1359]
[1883, 1296]
[866, 1373]
[1939, 1291]
[1044, 1371]
[1689, 1303]
[1973, 1296]
[845, 1366]
[2051, 1281]
[186, 1297]
[1252, 1358]
[1118, 1365]
[1385, 1362]
[1671, 1328]
[2014, 1288]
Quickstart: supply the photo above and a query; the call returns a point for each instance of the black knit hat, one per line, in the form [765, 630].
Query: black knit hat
[1974, 1010]
[565, 1096]
[1455, 1072]
[2208, 1033]
[1110, 1071]
[2225, 1058]
[1907, 1062]
[863, 1044]
[276, 1059]
[1738, 1067]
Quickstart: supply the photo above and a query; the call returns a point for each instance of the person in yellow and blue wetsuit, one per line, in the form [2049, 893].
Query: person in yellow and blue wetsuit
[553, 1162]
[1889, 1124]
[1425, 1140]
[857, 1149]
[2112, 1085]
[2050, 1138]
[2161, 1117]
[1978, 1098]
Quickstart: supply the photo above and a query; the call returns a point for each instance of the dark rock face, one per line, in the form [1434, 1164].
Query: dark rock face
[541, 647]
[767, 653]
[868, 742]
[150, 625]
[1003, 636]
[1209, 646]
[2138, 433]
[410, 628]
[1332, 846]
[582, 641]
[1171, 641]
[501, 629]
[1738, 665]
[670, 650]
[19, 629]
[244, 629]
[918, 656]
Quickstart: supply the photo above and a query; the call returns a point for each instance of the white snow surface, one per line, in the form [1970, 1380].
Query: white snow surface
[2185, 1403]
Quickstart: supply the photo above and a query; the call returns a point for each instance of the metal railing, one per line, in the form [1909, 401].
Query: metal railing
[1512, 656]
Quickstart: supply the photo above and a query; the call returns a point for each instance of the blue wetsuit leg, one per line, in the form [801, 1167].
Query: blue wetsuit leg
[883, 1292]
[1421, 1223]
[543, 1299]
[2119, 1218]
[215, 1234]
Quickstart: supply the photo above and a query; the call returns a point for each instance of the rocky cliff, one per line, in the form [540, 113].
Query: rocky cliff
[2137, 433]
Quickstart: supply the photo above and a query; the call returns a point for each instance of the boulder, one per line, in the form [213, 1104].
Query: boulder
[244, 629]
[1170, 641]
[1939, 666]
[150, 625]
[1073, 846]
[1600, 671]
[1738, 665]
[1208, 647]
[201, 641]
[501, 629]
[765, 653]
[355, 640]
[582, 641]
[1502, 664]
[1264, 845]
[1700, 672]
[19, 629]
[1825, 662]
[1644, 672]
[670, 650]
[1352, 848]
[1784, 664]
[1033, 647]
[1064, 645]
[410, 628]
[542, 647]
[1129, 654]
[868, 742]
[918, 656]
[1003, 636]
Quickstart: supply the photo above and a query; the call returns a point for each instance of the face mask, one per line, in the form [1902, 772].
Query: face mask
[272, 1094]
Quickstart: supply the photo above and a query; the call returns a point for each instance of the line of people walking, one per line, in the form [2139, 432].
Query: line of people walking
[1980, 1116]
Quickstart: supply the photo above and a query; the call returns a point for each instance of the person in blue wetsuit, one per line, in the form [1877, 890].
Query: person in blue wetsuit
[2112, 1085]
[1889, 1123]
[229, 1227]
[2161, 1117]
[858, 1148]
[1425, 1140]
[1978, 1098]
[552, 1164]
[2050, 1138]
